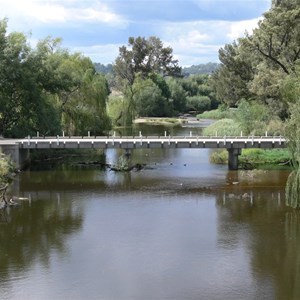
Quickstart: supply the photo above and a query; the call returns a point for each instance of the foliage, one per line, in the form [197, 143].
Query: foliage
[149, 99]
[230, 81]
[139, 71]
[178, 95]
[254, 157]
[219, 157]
[222, 112]
[255, 66]
[224, 127]
[198, 103]
[6, 167]
[265, 157]
[293, 136]
[144, 56]
[116, 109]
[47, 89]
[253, 117]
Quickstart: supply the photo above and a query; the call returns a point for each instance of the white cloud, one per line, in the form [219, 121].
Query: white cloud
[199, 41]
[61, 11]
[238, 29]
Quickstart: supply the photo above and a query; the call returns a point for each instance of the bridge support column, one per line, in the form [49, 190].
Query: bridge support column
[233, 158]
[20, 157]
[127, 153]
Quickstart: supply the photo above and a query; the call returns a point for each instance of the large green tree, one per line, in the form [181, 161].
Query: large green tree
[143, 59]
[231, 80]
[144, 56]
[255, 66]
[47, 89]
[23, 104]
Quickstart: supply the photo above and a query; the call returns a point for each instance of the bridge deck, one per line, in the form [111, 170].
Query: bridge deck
[131, 142]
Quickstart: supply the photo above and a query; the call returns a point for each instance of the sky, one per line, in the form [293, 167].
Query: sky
[194, 29]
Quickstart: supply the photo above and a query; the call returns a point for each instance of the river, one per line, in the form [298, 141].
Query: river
[182, 228]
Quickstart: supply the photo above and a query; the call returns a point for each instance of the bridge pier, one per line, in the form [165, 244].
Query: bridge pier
[233, 158]
[20, 157]
[127, 153]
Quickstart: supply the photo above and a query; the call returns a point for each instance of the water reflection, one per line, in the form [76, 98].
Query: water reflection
[270, 232]
[31, 233]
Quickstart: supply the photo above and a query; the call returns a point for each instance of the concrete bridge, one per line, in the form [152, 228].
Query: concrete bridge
[18, 149]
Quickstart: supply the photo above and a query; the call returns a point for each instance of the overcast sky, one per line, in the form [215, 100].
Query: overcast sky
[195, 29]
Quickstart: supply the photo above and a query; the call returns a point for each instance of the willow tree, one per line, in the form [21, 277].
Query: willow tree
[291, 90]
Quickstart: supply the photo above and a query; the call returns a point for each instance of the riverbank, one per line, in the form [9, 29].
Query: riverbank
[256, 158]
[160, 121]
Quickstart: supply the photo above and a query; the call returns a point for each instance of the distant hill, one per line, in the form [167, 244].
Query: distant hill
[103, 69]
[208, 68]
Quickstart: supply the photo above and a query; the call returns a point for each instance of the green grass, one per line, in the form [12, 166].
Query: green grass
[223, 127]
[217, 114]
[265, 157]
[255, 157]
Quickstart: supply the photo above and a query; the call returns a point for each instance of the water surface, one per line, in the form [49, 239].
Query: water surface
[181, 229]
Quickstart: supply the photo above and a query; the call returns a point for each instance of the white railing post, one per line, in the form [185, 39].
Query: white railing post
[37, 134]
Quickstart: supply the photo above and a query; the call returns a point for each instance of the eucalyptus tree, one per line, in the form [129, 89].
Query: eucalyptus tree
[230, 81]
[141, 58]
[276, 43]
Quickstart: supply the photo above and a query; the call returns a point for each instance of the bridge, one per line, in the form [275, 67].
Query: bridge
[19, 148]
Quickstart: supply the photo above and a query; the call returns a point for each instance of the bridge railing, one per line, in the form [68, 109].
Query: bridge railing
[211, 137]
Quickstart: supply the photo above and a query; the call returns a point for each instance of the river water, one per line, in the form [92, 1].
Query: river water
[182, 228]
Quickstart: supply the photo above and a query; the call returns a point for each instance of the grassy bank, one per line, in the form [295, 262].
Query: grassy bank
[255, 158]
[160, 121]
[217, 114]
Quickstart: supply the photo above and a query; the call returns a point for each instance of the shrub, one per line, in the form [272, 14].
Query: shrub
[6, 167]
[217, 114]
[223, 127]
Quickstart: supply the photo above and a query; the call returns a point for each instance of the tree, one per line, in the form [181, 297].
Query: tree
[198, 103]
[83, 105]
[144, 56]
[23, 104]
[291, 89]
[178, 94]
[230, 81]
[277, 37]
[47, 89]
[149, 99]
[143, 59]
